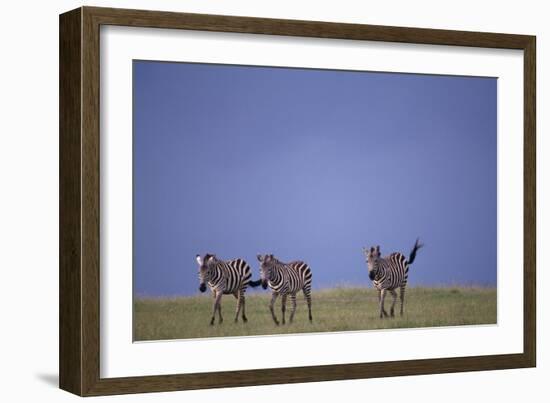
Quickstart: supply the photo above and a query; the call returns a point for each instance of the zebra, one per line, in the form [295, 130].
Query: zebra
[224, 277]
[285, 279]
[388, 273]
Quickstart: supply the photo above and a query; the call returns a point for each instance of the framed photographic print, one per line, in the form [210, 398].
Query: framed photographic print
[236, 192]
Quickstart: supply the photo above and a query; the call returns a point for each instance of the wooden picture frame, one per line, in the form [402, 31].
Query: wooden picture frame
[80, 199]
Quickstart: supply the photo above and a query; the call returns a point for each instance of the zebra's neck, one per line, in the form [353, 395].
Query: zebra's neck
[379, 268]
[276, 274]
[217, 277]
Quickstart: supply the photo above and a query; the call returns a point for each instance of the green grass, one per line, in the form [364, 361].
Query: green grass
[334, 310]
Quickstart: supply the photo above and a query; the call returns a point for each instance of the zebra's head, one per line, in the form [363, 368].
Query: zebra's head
[266, 267]
[372, 255]
[206, 266]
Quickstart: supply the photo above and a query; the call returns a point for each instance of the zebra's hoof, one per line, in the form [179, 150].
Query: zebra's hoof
[245, 319]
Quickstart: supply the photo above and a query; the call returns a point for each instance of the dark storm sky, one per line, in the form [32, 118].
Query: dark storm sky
[311, 165]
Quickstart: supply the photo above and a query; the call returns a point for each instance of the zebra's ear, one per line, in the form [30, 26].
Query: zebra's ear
[199, 260]
[260, 257]
[378, 248]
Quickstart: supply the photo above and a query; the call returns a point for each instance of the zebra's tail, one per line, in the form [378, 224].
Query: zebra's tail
[412, 256]
[253, 283]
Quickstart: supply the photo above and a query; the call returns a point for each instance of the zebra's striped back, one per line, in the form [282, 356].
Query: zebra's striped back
[391, 272]
[227, 277]
[287, 278]
[230, 276]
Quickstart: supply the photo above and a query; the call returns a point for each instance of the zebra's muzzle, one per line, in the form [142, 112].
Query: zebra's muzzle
[202, 287]
[264, 285]
[372, 275]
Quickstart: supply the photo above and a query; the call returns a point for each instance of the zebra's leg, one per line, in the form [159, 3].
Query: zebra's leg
[402, 298]
[242, 305]
[238, 310]
[383, 312]
[293, 301]
[217, 303]
[394, 296]
[271, 307]
[283, 306]
[307, 294]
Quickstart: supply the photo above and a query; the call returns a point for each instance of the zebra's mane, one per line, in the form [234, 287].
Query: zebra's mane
[210, 255]
[393, 254]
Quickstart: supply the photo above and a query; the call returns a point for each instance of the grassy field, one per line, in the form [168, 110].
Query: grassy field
[336, 309]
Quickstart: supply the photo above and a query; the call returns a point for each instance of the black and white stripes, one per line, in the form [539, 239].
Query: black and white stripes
[388, 273]
[224, 277]
[288, 279]
[285, 279]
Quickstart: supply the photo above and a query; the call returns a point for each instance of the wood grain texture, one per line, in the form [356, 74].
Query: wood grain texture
[70, 313]
[80, 187]
[317, 29]
[530, 202]
[90, 201]
[305, 374]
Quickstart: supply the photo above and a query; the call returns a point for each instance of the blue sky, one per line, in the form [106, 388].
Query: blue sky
[311, 165]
